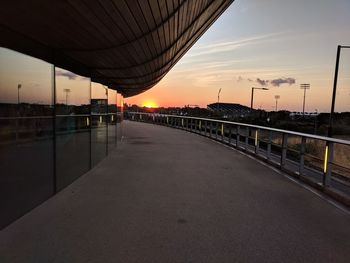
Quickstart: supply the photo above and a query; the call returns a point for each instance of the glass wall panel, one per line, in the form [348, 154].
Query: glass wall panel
[99, 132]
[26, 134]
[72, 126]
[120, 112]
[112, 119]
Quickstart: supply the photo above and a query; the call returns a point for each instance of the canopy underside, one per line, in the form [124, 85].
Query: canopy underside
[128, 45]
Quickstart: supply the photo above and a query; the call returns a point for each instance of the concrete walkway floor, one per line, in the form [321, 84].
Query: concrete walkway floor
[170, 196]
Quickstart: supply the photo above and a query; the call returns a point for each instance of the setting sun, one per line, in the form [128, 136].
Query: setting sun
[149, 104]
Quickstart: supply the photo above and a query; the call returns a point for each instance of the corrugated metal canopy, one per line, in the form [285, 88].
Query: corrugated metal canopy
[128, 45]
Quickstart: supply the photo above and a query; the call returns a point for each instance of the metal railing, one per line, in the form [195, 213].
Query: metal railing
[308, 157]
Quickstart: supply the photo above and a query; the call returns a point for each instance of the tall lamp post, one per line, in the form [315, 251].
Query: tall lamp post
[304, 87]
[277, 97]
[66, 91]
[252, 96]
[330, 126]
[19, 86]
[219, 95]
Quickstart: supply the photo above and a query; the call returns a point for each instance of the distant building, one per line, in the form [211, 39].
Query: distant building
[99, 105]
[229, 109]
[295, 114]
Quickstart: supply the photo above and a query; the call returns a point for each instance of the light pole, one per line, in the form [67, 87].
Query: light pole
[219, 95]
[304, 87]
[330, 126]
[19, 86]
[66, 91]
[252, 96]
[277, 97]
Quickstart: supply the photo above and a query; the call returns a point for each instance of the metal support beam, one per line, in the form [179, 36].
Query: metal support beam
[284, 149]
[327, 169]
[269, 146]
[302, 156]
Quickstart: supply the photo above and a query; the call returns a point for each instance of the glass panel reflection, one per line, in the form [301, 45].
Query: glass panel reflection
[99, 132]
[112, 119]
[26, 134]
[72, 126]
[120, 112]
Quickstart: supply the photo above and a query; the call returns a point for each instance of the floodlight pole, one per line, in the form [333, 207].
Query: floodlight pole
[304, 87]
[330, 126]
[277, 98]
[276, 105]
[19, 86]
[66, 91]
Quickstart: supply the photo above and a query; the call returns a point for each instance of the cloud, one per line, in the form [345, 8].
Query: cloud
[227, 46]
[67, 74]
[262, 82]
[280, 81]
[265, 82]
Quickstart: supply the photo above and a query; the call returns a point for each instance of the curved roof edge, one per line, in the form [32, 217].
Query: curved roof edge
[127, 45]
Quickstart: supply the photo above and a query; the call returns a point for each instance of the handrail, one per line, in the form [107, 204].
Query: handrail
[312, 136]
[298, 162]
[26, 117]
[58, 115]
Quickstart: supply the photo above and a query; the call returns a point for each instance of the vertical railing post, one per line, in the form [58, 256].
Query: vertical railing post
[269, 142]
[200, 127]
[216, 130]
[302, 155]
[327, 169]
[211, 129]
[205, 128]
[246, 137]
[238, 136]
[256, 141]
[229, 134]
[222, 132]
[284, 149]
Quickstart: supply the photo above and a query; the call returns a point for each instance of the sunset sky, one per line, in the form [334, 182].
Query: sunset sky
[276, 44]
[264, 44]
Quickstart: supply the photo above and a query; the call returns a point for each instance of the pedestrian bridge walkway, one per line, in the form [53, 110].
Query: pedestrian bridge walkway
[166, 195]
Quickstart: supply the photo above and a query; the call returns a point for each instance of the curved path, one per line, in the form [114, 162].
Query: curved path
[170, 196]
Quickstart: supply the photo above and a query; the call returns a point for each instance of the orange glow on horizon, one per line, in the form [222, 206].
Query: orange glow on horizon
[150, 104]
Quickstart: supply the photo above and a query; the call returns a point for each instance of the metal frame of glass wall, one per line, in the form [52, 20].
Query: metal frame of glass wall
[54, 127]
